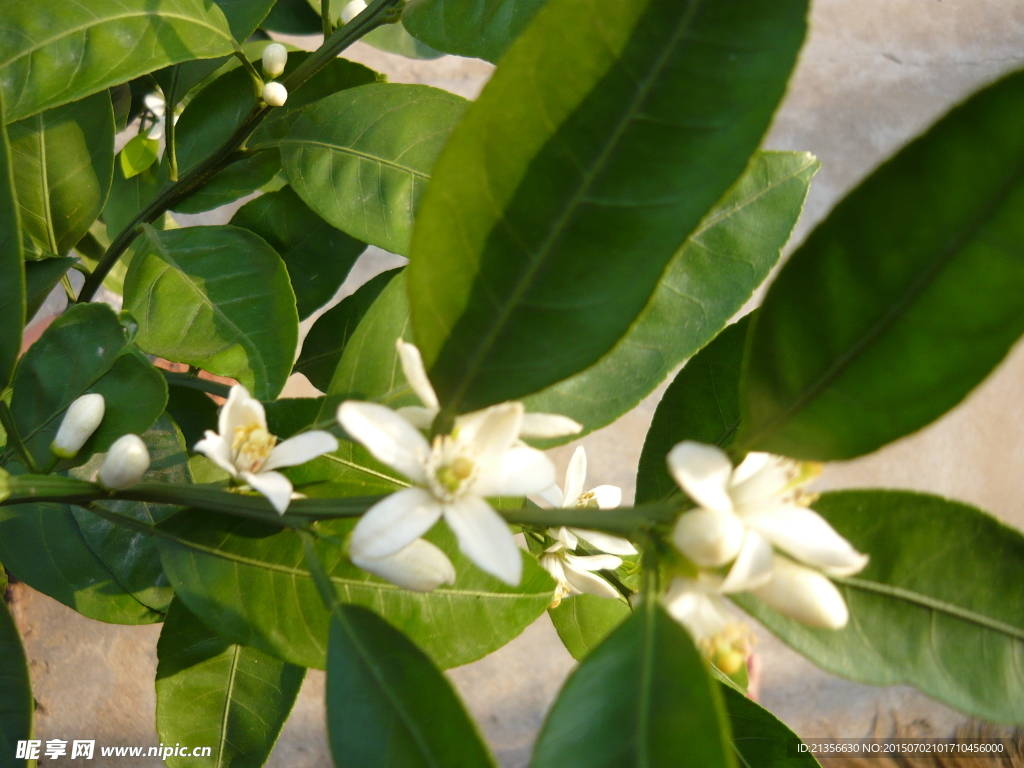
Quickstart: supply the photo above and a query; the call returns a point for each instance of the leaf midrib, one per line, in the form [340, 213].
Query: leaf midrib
[355, 153]
[236, 651]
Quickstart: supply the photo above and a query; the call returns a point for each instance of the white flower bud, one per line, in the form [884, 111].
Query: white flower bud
[708, 538]
[352, 10]
[80, 421]
[803, 594]
[126, 463]
[420, 566]
[275, 94]
[275, 56]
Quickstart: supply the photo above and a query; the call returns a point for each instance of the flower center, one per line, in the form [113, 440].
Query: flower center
[251, 447]
[587, 501]
[730, 648]
[450, 470]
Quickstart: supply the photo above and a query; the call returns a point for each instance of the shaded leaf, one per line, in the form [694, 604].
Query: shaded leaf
[12, 276]
[760, 739]
[16, 703]
[193, 411]
[393, 38]
[293, 17]
[583, 621]
[483, 29]
[41, 277]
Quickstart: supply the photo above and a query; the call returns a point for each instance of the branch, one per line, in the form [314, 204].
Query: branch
[179, 379]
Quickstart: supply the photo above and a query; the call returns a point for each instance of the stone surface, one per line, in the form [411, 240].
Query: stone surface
[872, 75]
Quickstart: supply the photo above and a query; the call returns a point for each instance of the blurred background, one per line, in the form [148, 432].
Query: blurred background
[872, 75]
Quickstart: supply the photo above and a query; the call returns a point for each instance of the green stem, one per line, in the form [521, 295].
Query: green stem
[14, 438]
[325, 17]
[321, 578]
[379, 12]
[169, 102]
[257, 81]
[191, 381]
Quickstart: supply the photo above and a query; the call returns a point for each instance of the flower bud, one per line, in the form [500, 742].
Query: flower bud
[803, 594]
[708, 538]
[352, 10]
[420, 566]
[80, 421]
[275, 94]
[275, 56]
[126, 463]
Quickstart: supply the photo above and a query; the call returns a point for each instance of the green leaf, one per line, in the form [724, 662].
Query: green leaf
[130, 556]
[193, 411]
[41, 277]
[351, 467]
[138, 155]
[874, 328]
[940, 606]
[218, 298]
[16, 703]
[558, 201]
[129, 196]
[317, 255]
[248, 581]
[361, 158]
[583, 621]
[760, 739]
[217, 694]
[482, 29]
[327, 339]
[393, 38]
[709, 278]
[121, 101]
[293, 17]
[702, 404]
[641, 698]
[388, 706]
[49, 59]
[12, 276]
[63, 165]
[42, 545]
[84, 350]
[291, 415]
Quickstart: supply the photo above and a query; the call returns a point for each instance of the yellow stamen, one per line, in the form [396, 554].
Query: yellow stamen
[252, 446]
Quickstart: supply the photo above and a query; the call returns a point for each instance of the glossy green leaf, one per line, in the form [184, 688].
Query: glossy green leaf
[875, 328]
[388, 706]
[939, 606]
[706, 283]
[249, 582]
[193, 411]
[218, 298]
[16, 703]
[760, 739]
[643, 697]
[326, 341]
[84, 350]
[293, 17]
[50, 58]
[41, 277]
[42, 545]
[317, 255]
[130, 556]
[558, 201]
[12, 275]
[583, 621]
[702, 404]
[138, 155]
[63, 165]
[217, 694]
[483, 29]
[361, 158]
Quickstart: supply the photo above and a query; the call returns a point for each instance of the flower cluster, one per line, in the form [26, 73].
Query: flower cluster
[275, 57]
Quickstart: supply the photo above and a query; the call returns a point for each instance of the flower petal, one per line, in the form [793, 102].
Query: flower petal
[702, 471]
[605, 542]
[765, 478]
[565, 537]
[301, 448]
[484, 538]
[803, 594]
[389, 437]
[753, 565]
[492, 431]
[393, 523]
[544, 426]
[708, 538]
[275, 486]
[808, 537]
[607, 496]
[519, 472]
[553, 565]
[584, 581]
[418, 416]
[594, 562]
[420, 566]
[416, 374]
[552, 495]
[216, 449]
[240, 410]
[575, 477]
[703, 613]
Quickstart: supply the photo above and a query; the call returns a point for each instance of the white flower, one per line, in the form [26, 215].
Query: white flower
[574, 574]
[482, 457]
[698, 605]
[158, 108]
[352, 10]
[275, 57]
[419, 566]
[534, 425]
[125, 464]
[803, 594]
[80, 420]
[244, 448]
[275, 94]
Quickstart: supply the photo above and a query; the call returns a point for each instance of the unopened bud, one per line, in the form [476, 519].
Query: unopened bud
[275, 94]
[352, 10]
[708, 538]
[80, 421]
[126, 463]
[275, 56]
[420, 566]
[803, 594]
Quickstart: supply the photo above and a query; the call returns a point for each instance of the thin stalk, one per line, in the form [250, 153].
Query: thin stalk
[169, 102]
[321, 578]
[191, 381]
[379, 12]
[14, 438]
[325, 17]
[257, 81]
